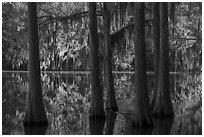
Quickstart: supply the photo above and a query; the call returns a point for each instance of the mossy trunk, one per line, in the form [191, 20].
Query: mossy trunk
[97, 104]
[35, 114]
[111, 103]
[142, 115]
[156, 38]
[163, 106]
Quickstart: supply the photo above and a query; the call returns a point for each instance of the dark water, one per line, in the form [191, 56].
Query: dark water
[67, 101]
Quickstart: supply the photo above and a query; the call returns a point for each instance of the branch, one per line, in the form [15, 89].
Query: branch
[72, 16]
[183, 38]
[54, 32]
[131, 24]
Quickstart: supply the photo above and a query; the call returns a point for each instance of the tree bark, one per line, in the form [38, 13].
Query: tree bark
[156, 38]
[142, 115]
[97, 106]
[35, 114]
[111, 103]
[163, 106]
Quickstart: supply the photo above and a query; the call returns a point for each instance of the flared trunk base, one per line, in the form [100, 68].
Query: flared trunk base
[95, 114]
[34, 123]
[143, 124]
[113, 108]
[162, 114]
[162, 111]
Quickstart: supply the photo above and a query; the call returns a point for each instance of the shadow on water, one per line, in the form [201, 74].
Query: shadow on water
[110, 122]
[35, 130]
[130, 129]
[162, 126]
[96, 126]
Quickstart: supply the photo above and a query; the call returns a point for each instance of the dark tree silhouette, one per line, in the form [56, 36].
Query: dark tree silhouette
[163, 106]
[97, 106]
[35, 114]
[142, 112]
[111, 103]
[156, 38]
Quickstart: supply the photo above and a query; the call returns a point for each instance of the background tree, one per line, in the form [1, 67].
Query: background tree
[163, 105]
[142, 114]
[110, 100]
[97, 106]
[35, 114]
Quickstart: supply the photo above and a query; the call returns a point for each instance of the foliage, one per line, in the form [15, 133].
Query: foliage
[63, 32]
[14, 36]
[63, 37]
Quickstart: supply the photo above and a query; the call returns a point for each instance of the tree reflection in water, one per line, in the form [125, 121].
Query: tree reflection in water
[35, 130]
[131, 129]
[67, 100]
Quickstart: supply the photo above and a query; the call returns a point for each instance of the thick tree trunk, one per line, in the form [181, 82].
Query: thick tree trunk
[163, 106]
[141, 109]
[35, 114]
[156, 38]
[111, 103]
[97, 106]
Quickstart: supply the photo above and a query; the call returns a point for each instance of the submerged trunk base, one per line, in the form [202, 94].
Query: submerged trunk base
[113, 108]
[143, 124]
[95, 114]
[96, 126]
[162, 111]
[35, 129]
[41, 120]
[162, 114]
[31, 123]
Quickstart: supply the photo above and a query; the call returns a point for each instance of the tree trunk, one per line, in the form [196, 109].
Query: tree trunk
[111, 103]
[141, 109]
[110, 122]
[35, 114]
[156, 38]
[97, 106]
[163, 106]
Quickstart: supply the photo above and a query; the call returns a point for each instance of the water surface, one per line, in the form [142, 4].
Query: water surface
[67, 101]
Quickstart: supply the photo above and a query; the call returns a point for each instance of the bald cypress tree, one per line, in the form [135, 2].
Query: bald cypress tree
[111, 103]
[35, 114]
[142, 112]
[156, 39]
[97, 107]
[163, 106]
